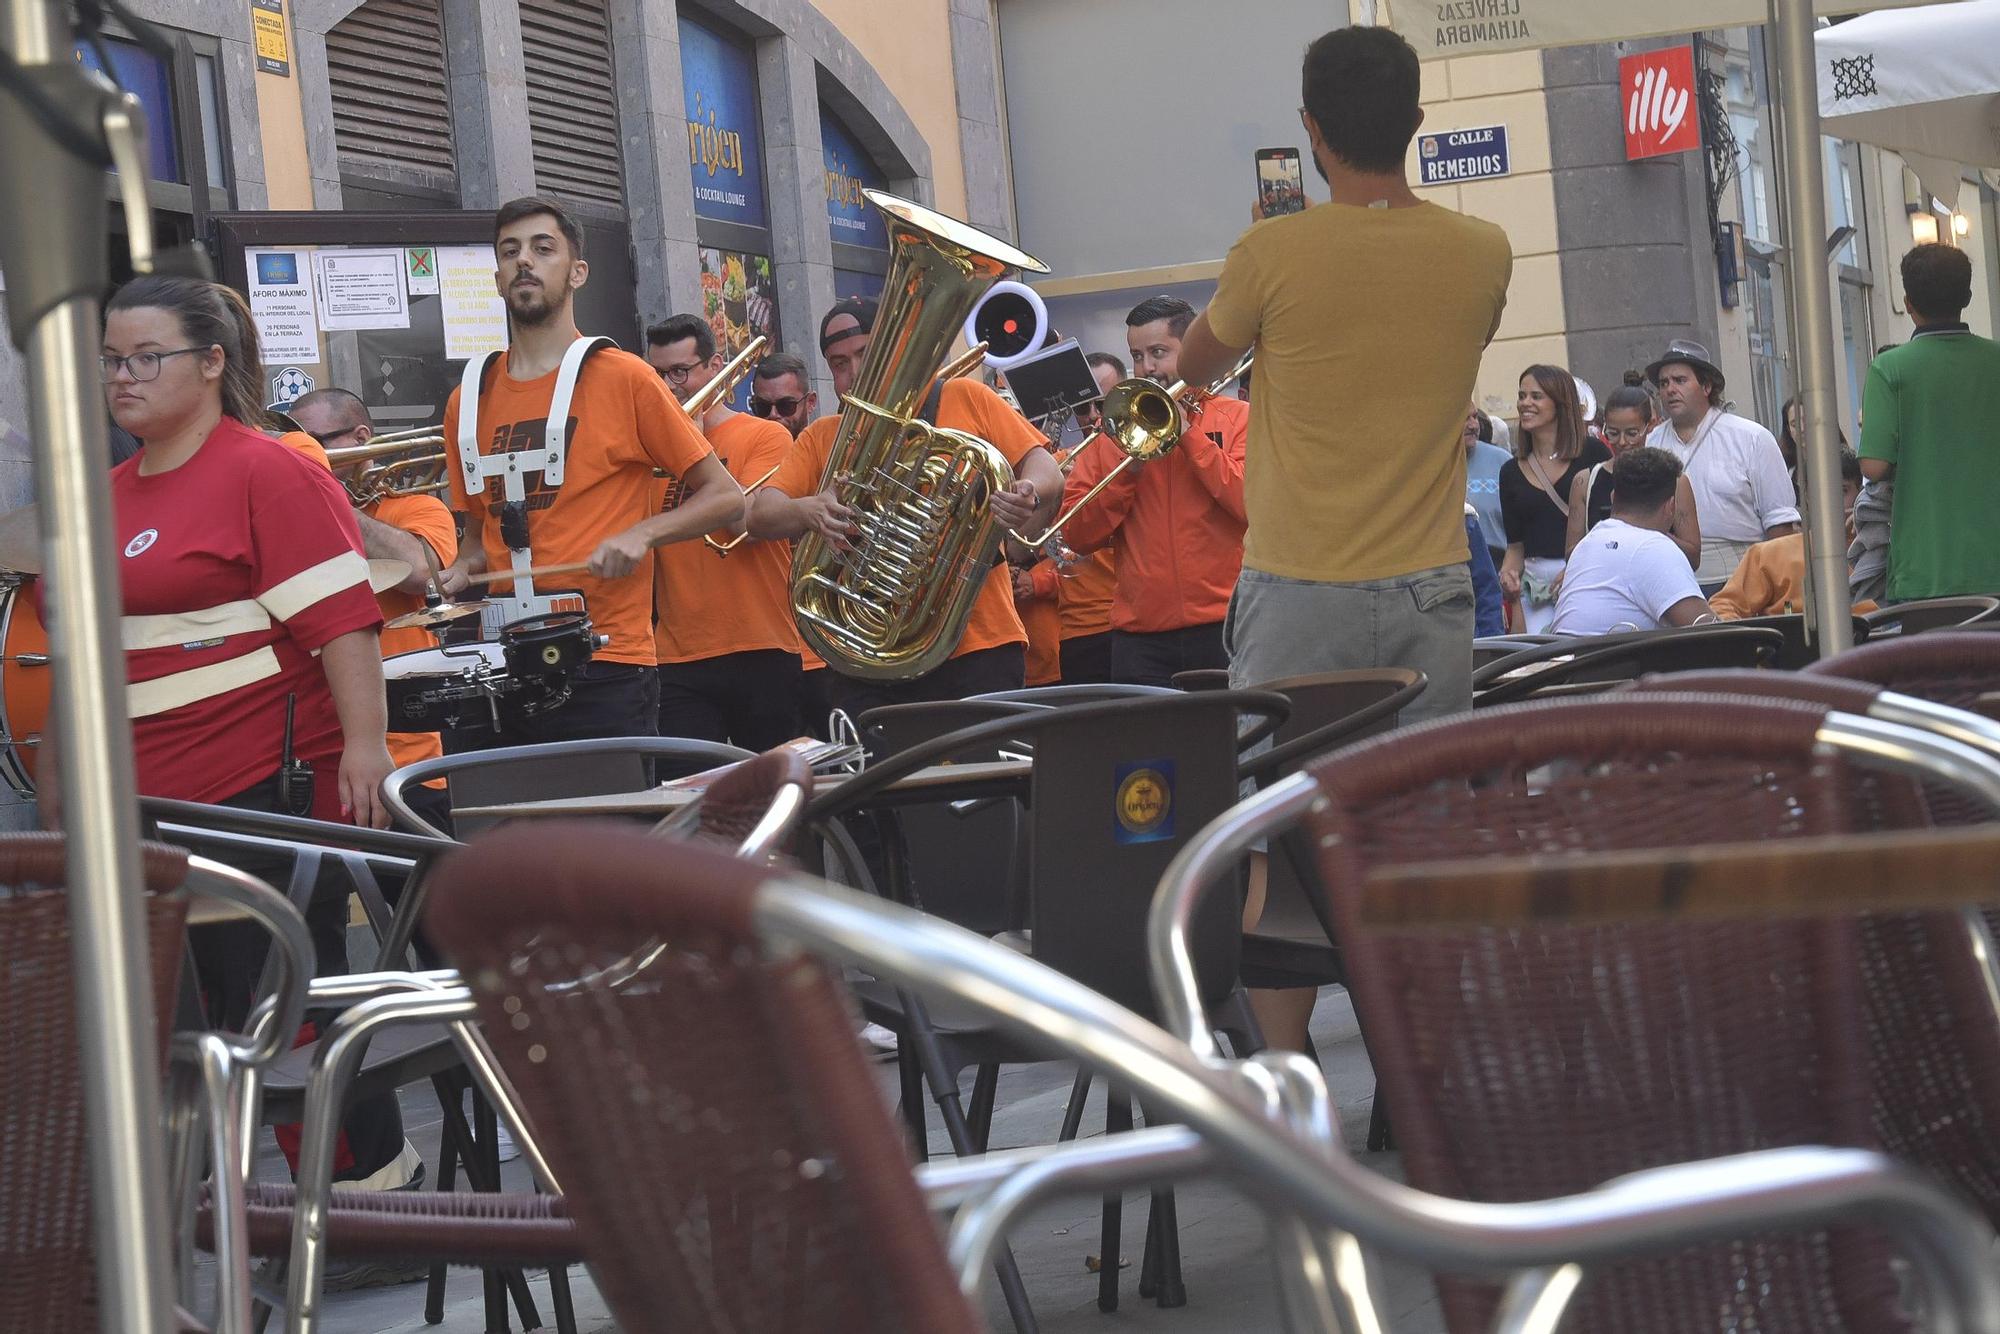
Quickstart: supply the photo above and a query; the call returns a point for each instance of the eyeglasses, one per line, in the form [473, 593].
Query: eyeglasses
[141, 366]
[783, 407]
[326, 438]
[1622, 432]
[679, 374]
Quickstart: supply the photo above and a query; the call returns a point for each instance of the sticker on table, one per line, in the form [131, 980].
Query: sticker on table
[1143, 807]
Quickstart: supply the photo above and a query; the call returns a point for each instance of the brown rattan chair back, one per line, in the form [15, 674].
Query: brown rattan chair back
[719, 1136]
[1933, 1036]
[1522, 1064]
[737, 802]
[47, 1282]
[1956, 667]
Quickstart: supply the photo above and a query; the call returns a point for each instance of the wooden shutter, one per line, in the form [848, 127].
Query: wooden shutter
[391, 103]
[572, 106]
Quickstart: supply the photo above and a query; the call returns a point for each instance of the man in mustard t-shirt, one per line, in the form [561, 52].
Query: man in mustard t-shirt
[1369, 316]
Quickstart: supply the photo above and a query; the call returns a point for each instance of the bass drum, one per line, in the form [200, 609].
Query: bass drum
[24, 683]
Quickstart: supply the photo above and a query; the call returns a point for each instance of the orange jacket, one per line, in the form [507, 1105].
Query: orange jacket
[1176, 523]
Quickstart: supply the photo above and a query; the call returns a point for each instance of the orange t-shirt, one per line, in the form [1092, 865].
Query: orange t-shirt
[1043, 622]
[711, 604]
[426, 519]
[624, 424]
[1085, 595]
[307, 446]
[966, 405]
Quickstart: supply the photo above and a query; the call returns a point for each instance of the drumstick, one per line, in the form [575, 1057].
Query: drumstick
[532, 572]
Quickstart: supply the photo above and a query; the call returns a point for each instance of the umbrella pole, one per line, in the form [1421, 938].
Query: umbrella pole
[1829, 608]
[52, 213]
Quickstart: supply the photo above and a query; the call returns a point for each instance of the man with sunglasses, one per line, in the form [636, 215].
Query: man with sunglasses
[723, 631]
[778, 390]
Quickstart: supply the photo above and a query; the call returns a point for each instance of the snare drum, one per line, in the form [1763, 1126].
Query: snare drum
[435, 688]
[24, 683]
[554, 644]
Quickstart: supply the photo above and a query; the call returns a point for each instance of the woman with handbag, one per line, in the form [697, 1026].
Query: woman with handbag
[1552, 449]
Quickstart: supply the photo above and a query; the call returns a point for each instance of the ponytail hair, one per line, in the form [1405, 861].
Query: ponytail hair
[210, 313]
[1635, 395]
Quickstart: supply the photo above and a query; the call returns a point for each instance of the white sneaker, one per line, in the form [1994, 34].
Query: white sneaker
[883, 1040]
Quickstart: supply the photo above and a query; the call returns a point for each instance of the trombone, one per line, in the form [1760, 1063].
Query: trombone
[963, 364]
[398, 463]
[1145, 422]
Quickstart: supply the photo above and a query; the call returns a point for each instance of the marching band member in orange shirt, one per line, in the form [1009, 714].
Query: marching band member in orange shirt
[991, 654]
[728, 650]
[1176, 522]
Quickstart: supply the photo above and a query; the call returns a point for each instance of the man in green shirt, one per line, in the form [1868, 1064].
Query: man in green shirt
[1931, 418]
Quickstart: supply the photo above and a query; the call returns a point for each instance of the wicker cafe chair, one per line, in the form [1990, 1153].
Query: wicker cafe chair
[1602, 660]
[752, 811]
[732, 1165]
[1931, 614]
[1529, 1063]
[1933, 1034]
[47, 1256]
[758, 1182]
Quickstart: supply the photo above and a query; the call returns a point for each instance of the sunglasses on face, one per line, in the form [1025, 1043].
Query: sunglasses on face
[783, 407]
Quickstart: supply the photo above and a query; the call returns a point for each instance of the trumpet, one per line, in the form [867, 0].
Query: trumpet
[1145, 422]
[399, 463]
[964, 364]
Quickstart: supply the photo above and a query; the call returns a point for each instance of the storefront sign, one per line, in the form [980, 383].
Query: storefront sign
[1478, 154]
[267, 21]
[1657, 94]
[850, 218]
[719, 89]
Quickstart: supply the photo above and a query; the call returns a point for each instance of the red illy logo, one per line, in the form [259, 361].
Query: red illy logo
[1658, 88]
[138, 545]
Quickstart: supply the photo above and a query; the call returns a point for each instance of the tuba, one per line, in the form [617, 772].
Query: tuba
[894, 603]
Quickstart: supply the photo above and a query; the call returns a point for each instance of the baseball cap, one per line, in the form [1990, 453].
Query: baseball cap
[860, 308]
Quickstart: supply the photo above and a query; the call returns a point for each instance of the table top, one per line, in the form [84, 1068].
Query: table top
[939, 782]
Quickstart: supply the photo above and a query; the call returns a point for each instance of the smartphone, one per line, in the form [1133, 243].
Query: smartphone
[1280, 186]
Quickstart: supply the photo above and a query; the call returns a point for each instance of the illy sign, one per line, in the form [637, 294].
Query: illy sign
[1658, 98]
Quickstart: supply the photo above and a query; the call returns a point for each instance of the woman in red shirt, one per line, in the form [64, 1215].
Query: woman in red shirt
[244, 597]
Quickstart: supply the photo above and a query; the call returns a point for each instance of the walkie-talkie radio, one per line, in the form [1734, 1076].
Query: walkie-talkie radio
[295, 776]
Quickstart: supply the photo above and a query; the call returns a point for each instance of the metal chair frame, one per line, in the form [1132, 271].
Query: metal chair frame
[1536, 1296]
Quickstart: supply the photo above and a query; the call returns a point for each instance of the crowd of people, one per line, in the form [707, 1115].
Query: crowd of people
[1712, 495]
[1358, 515]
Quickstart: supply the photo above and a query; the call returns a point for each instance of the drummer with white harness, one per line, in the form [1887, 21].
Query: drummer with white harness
[553, 468]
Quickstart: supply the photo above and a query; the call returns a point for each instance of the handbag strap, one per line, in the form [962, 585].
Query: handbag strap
[1547, 487]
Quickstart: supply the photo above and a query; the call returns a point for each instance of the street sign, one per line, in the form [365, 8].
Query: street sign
[1453, 156]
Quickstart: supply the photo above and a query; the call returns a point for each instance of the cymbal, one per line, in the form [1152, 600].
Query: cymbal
[385, 573]
[442, 613]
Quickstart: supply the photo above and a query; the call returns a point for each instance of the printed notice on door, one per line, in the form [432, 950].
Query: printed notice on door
[281, 299]
[361, 289]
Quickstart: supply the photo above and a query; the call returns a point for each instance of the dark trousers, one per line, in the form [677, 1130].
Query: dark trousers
[1004, 667]
[815, 700]
[229, 959]
[748, 699]
[606, 699]
[1086, 659]
[1154, 659]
